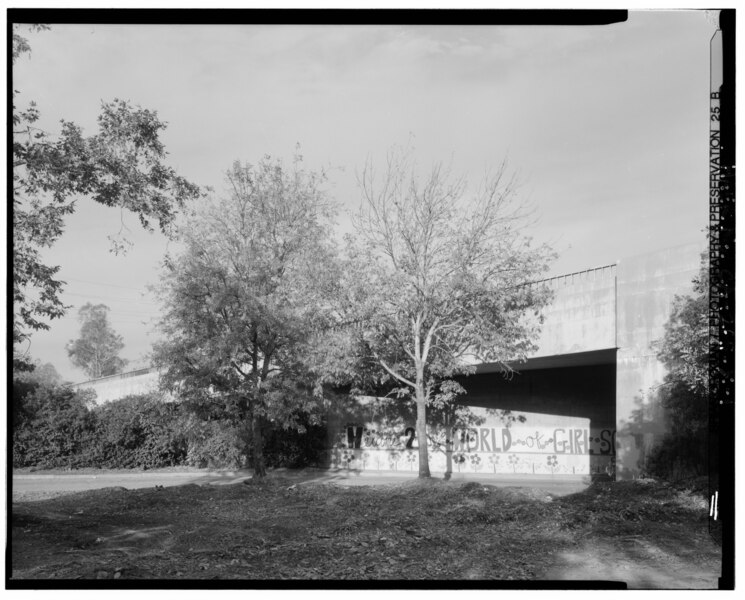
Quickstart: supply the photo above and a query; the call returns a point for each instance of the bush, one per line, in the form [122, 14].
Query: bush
[678, 457]
[139, 431]
[684, 351]
[683, 452]
[54, 427]
[216, 444]
[146, 432]
[293, 448]
[56, 430]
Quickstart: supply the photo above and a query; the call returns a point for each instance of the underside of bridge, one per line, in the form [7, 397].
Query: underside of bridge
[582, 384]
[559, 410]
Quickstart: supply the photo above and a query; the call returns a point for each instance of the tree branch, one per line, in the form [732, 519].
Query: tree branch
[237, 368]
[392, 372]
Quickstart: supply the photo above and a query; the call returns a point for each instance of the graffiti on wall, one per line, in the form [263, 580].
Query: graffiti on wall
[516, 450]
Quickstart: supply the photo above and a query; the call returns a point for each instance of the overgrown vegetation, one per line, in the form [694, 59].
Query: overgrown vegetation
[53, 427]
[56, 427]
[684, 350]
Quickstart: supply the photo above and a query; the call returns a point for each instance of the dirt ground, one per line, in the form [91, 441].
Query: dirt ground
[645, 534]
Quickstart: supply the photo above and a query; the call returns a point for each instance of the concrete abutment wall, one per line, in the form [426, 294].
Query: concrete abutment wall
[646, 288]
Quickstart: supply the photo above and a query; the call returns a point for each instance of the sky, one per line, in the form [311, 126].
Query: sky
[606, 128]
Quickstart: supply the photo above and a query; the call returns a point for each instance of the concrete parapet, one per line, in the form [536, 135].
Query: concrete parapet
[582, 315]
[114, 387]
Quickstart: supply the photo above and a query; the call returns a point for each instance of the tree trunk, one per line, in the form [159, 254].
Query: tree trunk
[421, 434]
[448, 451]
[258, 443]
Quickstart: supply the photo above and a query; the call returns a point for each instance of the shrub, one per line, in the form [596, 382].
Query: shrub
[684, 350]
[683, 451]
[57, 429]
[216, 444]
[677, 457]
[54, 427]
[139, 431]
[295, 448]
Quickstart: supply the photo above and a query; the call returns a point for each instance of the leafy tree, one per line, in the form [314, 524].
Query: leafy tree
[684, 350]
[97, 349]
[25, 385]
[436, 280]
[42, 374]
[120, 166]
[245, 293]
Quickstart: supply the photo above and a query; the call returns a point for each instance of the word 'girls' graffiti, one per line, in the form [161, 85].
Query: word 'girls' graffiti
[521, 439]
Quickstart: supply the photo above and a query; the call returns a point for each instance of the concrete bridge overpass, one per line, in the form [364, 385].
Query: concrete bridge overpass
[596, 356]
[587, 395]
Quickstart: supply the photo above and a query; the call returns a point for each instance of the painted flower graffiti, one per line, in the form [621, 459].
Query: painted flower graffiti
[494, 461]
[528, 451]
[393, 458]
[379, 461]
[553, 462]
[411, 458]
[459, 458]
[347, 457]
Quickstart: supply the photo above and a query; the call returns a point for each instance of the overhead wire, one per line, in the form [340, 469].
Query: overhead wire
[124, 287]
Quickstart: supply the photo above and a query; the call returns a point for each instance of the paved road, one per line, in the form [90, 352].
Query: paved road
[74, 482]
[33, 486]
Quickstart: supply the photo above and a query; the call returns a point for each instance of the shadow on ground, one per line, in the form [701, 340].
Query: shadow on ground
[554, 486]
[647, 536]
[636, 561]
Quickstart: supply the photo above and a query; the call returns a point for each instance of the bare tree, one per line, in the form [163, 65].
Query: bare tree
[440, 278]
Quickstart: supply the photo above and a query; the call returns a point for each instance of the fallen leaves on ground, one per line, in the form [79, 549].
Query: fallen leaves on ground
[279, 529]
